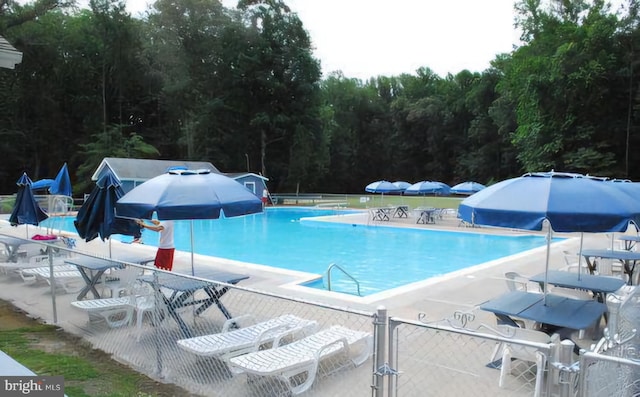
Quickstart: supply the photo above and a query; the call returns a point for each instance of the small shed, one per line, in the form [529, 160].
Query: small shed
[254, 182]
[9, 56]
[133, 172]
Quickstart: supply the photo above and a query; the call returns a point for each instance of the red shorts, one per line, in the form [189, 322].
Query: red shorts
[164, 258]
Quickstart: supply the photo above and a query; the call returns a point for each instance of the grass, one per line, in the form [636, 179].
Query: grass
[378, 200]
[47, 350]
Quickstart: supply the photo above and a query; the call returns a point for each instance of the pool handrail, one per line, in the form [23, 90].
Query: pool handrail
[335, 265]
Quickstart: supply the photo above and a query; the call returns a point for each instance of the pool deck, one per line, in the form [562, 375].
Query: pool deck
[437, 297]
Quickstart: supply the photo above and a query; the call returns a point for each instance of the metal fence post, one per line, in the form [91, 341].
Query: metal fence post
[393, 362]
[380, 334]
[53, 285]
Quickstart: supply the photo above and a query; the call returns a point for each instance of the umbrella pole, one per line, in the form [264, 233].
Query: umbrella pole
[546, 270]
[192, 269]
[580, 256]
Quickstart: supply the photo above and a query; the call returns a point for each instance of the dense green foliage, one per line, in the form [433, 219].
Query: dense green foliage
[241, 88]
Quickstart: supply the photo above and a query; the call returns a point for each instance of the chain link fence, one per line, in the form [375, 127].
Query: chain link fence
[146, 322]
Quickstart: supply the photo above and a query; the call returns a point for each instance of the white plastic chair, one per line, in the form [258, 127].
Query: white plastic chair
[119, 281]
[522, 352]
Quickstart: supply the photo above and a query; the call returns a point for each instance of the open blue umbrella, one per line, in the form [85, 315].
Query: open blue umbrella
[469, 188]
[568, 202]
[97, 215]
[187, 194]
[428, 187]
[26, 210]
[402, 184]
[382, 187]
[62, 183]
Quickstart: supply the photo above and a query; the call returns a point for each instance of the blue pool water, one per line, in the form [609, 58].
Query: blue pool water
[380, 258]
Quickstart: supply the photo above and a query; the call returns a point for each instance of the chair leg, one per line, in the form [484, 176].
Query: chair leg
[506, 366]
[541, 361]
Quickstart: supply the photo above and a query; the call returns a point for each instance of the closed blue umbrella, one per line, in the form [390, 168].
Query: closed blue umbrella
[97, 216]
[185, 194]
[568, 202]
[62, 183]
[26, 210]
[469, 187]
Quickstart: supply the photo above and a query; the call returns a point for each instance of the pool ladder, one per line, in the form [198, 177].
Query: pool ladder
[336, 266]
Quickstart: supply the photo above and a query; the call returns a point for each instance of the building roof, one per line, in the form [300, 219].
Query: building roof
[9, 56]
[140, 170]
[236, 175]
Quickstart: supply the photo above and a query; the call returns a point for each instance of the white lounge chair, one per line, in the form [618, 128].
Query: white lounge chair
[230, 343]
[119, 311]
[293, 361]
[14, 268]
[115, 311]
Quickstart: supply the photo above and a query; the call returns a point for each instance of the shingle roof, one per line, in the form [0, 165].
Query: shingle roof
[144, 169]
[9, 56]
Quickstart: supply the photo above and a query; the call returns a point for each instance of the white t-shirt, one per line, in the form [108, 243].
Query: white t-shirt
[166, 235]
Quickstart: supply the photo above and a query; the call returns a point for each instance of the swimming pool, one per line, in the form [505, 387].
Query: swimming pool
[380, 258]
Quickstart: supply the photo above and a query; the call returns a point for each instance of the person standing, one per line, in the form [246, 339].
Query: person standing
[166, 247]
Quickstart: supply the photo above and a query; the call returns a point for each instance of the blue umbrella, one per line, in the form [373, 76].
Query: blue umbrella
[97, 216]
[62, 184]
[41, 184]
[26, 210]
[428, 187]
[568, 202]
[467, 188]
[402, 184]
[185, 194]
[382, 187]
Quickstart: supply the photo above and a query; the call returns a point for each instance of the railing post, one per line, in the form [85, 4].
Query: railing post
[613, 308]
[561, 368]
[380, 333]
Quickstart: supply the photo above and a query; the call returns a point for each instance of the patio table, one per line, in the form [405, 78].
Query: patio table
[599, 285]
[184, 290]
[425, 215]
[381, 213]
[629, 241]
[92, 268]
[627, 258]
[401, 211]
[12, 245]
[559, 311]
